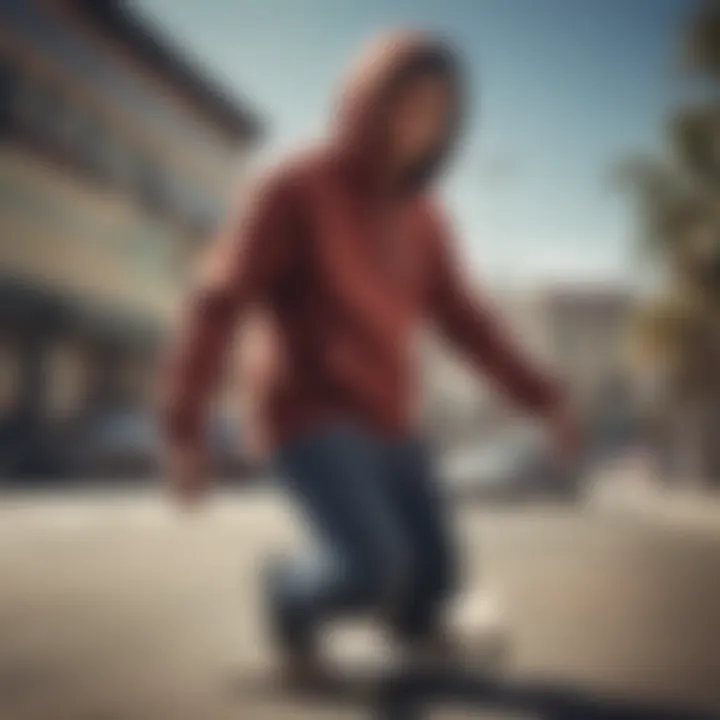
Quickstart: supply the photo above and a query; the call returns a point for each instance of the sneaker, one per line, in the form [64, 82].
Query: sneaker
[286, 627]
[301, 669]
[479, 621]
[438, 652]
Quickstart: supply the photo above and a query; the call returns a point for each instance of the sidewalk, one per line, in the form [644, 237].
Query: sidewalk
[628, 488]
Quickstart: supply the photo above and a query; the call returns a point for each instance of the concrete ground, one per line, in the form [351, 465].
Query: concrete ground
[120, 608]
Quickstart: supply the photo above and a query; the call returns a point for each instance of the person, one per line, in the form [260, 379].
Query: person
[345, 247]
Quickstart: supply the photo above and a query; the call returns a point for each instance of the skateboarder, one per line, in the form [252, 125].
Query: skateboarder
[346, 248]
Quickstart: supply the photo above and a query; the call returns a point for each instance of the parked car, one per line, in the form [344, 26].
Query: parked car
[516, 468]
[121, 443]
[128, 443]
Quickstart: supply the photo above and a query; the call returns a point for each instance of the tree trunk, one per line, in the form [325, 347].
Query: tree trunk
[695, 431]
[711, 443]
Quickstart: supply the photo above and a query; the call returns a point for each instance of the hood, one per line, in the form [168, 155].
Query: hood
[380, 71]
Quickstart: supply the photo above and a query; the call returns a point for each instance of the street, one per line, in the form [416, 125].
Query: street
[121, 608]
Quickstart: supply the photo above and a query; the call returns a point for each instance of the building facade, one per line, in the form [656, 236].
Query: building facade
[582, 332]
[116, 158]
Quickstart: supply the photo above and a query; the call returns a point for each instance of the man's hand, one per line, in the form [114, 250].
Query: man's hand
[187, 474]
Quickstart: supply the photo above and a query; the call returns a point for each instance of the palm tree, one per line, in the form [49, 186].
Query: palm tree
[701, 41]
[678, 206]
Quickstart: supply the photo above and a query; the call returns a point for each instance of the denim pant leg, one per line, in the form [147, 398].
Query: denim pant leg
[335, 478]
[425, 517]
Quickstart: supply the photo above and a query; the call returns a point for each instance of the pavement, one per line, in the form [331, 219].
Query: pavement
[626, 487]
[118, 607]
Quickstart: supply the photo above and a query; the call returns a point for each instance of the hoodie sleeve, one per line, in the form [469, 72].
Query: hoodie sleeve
[469, 323]
[244, 267]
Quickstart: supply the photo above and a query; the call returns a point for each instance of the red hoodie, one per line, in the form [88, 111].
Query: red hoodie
[348, 273]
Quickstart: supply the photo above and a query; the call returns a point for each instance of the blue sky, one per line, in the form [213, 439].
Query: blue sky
[563, 89]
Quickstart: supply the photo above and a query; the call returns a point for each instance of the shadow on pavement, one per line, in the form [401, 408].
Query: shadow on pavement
[417, 696]
[412, 697]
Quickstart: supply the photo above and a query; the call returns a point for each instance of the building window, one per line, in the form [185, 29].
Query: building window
[42, 111]
[93, 145]
[10, 378]
[37, 107]
[120, 162]
[66, 378]
[78, 134]
[152, 189]
[6, 90]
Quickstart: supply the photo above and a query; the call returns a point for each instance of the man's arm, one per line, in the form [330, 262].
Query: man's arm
[469, 323]
[244, 267]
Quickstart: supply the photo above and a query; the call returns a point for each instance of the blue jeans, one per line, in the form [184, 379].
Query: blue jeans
[384, 541]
